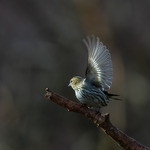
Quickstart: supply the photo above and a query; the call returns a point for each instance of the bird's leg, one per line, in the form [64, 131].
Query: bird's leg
[97, 111]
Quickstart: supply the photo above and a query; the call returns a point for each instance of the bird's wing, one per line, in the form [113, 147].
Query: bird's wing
[99, 70]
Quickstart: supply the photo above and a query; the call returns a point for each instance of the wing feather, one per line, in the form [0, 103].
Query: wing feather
[99, 70]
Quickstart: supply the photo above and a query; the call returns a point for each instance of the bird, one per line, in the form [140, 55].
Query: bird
[92, 90]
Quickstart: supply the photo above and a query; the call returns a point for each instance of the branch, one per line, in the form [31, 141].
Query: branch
[101, 120]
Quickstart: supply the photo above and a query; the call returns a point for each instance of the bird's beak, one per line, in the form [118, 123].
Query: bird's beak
[69, 84]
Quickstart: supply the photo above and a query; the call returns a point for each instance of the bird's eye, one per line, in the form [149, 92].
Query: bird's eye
[71, 81]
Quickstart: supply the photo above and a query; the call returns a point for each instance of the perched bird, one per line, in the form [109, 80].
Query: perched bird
[92, 90]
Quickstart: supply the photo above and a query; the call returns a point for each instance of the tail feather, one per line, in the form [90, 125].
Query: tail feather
[112, 96]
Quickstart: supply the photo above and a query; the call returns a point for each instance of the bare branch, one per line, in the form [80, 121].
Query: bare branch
[101, 120]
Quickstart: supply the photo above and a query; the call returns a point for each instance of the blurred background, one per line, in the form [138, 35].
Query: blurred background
[41, 46]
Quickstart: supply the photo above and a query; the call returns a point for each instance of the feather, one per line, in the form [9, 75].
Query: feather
[99, 70]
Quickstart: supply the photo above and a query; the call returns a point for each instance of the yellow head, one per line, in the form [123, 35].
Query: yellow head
[76, 82]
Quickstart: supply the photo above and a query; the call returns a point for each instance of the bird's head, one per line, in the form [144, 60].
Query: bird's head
[76, 82]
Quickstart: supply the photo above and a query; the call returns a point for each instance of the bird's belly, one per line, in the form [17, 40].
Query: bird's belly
[90, 100]
[79, 96]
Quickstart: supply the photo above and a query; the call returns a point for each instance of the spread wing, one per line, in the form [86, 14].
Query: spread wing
[99, 70]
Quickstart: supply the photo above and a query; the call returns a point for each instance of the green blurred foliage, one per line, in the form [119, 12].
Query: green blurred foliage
[41, 46]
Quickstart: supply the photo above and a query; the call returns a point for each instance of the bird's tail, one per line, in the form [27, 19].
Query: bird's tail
[113, 96]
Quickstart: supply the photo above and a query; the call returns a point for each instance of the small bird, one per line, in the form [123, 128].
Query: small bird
[92, 90]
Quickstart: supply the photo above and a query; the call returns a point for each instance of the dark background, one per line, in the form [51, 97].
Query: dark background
[41, 46]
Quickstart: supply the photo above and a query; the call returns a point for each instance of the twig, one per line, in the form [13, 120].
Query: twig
[101, 120]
